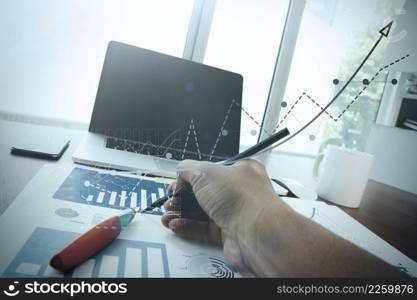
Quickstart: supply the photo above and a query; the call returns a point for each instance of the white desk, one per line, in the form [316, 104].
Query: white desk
[16, 171]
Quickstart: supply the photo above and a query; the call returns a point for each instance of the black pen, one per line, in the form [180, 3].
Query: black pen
[158, 203]
[245, 154]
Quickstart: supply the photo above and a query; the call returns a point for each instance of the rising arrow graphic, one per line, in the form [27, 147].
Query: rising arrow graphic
[384, 32]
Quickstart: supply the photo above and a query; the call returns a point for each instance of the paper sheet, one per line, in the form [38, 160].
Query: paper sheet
[64, 201]
[339, 222]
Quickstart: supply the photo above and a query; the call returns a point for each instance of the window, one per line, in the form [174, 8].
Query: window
[244, 38]
[330, 46]
[54, 49]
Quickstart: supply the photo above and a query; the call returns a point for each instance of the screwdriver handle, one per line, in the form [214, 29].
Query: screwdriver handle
[86, 244]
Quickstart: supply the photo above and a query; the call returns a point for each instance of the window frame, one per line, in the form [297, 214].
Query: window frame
[282, 67]
[196, 45]
[199, 30]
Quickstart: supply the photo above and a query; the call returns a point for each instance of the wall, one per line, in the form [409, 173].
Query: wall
[395, 152]
[404, 38]
[395, 149]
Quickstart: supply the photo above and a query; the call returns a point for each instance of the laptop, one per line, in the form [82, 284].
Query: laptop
[153, 110]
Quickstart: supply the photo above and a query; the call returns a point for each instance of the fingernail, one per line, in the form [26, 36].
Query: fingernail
[171, 217]
[171, 225]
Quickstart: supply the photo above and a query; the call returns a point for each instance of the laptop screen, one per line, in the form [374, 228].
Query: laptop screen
[156, 104]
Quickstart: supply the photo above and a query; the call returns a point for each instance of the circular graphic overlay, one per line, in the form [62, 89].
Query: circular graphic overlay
[206, 266]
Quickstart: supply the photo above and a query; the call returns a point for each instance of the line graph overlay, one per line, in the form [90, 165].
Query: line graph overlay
[383, 33]
[109, 190]
[149, 148]
[195, 139]
[252, 118]
[305, 95]
[222, 127]
[186, 139]
[365, 86]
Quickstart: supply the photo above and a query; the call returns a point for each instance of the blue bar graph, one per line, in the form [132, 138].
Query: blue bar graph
[122, 258]
[110, 190]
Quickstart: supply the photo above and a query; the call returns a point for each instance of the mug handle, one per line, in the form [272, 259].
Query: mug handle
[320, 156]
[317, 162]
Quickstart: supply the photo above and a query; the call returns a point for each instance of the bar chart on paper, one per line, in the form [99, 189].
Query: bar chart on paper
[110, 190]
[122, 258]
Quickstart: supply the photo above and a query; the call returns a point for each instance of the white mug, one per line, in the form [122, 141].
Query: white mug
[343, 176]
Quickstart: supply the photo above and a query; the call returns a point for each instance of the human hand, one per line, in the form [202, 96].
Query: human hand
[261, 234]
[234, 197]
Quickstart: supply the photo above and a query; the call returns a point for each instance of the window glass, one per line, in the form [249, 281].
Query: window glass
[335, 36]
[244, 38]
[53, 50]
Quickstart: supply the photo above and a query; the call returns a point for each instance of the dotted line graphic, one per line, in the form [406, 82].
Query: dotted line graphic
[394, 62]
[290, 110]
[234, 102]
[186, 140]
[319, 106]
[170, 146]
[366, 86]
[165, 148]
[298, 100]
[222, 128]
[349, 105]
[195, 139]
[252, 118]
